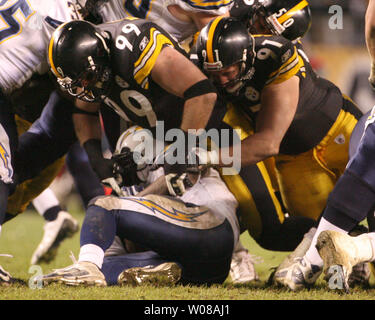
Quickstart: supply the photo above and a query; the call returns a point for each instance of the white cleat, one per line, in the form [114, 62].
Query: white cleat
[242, 268]
[298, 275]
[165, 274]
[56, 231]
[79, 274]
[295, 272]
[340, 253]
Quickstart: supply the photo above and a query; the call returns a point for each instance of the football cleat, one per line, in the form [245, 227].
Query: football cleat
[5, 278]
[165, 274]
[56, 231]
[283, 275]
[242, 268]
[340, 253]
[80, 273]
[298, 275]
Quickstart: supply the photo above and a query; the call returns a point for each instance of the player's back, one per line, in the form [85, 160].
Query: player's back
[26, 29]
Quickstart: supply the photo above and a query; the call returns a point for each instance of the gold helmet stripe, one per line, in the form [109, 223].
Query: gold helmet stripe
[210, 37]
[50, 49]
[292, 11]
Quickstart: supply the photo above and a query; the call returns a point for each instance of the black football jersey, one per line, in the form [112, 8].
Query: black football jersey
[135, 46]
[276, 60]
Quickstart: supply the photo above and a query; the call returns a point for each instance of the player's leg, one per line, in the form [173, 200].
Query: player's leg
[86, 181]
[353, 198]
[59, 226]
[153, 222]
[261, 212]
[319, 170]
[8, 145]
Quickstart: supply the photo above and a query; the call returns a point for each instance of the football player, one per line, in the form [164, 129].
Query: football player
[190, 238]
[352, 199]
[288, 18]
[180, 18]
[304, 121]
[25, 89]
[135, 68]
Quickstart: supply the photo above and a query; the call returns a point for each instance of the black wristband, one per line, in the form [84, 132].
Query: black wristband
[199, 88]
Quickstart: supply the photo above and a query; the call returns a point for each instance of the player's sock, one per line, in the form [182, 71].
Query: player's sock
[91, 253]
[312, 254]
[97, 234]
[47, 205]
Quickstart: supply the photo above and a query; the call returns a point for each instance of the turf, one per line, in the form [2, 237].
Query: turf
[21, 236]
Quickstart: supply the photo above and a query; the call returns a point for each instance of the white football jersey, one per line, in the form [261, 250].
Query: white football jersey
[210, 191]
[24, 37]
[157, 12]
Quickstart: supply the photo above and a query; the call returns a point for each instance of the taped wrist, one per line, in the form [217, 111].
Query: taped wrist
[200, 88]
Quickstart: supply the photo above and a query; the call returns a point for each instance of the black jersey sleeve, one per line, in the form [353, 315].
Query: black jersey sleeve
[138, 44]
[283, 58]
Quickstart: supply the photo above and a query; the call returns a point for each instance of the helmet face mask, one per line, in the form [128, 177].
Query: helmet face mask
[225, 50]
[262, 23]
[91, 85]
[83, 70]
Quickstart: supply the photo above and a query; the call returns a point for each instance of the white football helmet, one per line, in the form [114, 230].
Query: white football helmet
[143, 146]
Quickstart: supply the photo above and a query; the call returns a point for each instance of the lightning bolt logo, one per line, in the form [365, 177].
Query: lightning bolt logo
[175, 214]
[4, 155]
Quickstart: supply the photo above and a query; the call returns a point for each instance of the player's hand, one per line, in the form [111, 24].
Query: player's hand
[125, 167]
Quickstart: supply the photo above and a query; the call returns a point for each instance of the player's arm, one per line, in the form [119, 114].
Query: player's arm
[88, 130]
[278, 107]
[179, 76]
[370, 37]
[201, 19]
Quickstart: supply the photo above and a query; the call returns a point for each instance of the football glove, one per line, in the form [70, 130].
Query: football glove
[125, 168]
[177, 183]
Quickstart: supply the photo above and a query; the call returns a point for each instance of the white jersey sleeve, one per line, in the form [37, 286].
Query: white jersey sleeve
[217, 8]
[24, 37]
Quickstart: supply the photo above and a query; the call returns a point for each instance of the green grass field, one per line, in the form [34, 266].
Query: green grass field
[22, 235]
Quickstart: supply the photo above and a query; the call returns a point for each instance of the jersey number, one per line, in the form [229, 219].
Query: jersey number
[11, 16]
[138, 8]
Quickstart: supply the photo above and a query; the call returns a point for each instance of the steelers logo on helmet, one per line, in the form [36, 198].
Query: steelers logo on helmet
[79, 57]
[224, 44]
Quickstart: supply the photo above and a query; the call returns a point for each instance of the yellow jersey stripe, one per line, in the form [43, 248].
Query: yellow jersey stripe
[287, 74]
[201, 3]
[285, 65]
[211, 31]
[292, 11]
[145, 63]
